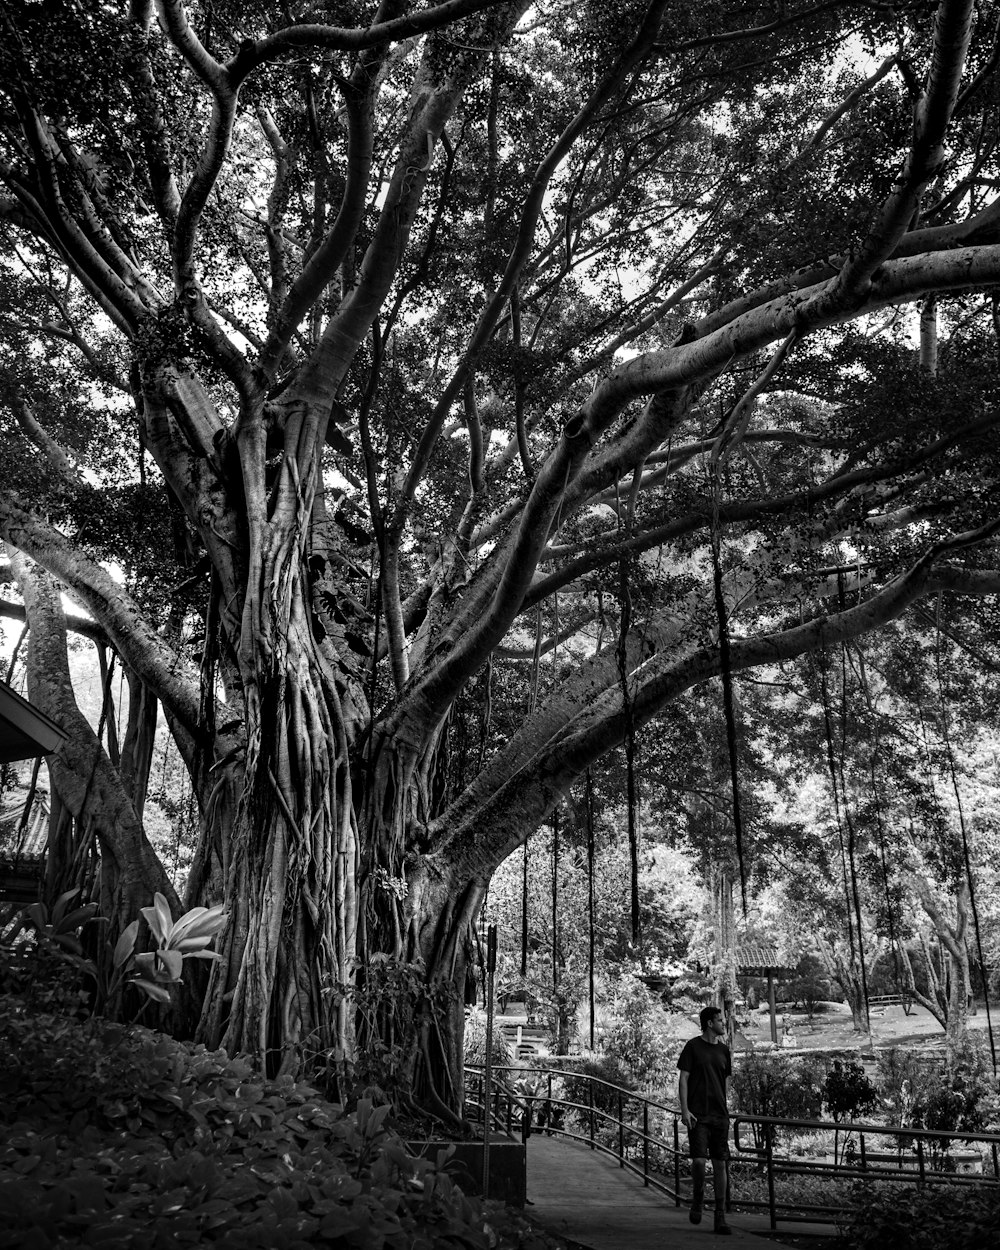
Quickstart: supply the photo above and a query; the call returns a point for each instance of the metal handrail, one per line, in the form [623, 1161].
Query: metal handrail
[657, 1158]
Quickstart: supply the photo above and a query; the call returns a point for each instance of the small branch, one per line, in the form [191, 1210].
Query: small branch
[734, 426]
[843, 109]
[55, 454]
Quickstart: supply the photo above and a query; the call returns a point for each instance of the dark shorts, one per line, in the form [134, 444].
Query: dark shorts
[709, 1138]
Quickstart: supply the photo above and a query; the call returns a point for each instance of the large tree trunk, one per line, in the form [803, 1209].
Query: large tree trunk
[86, 786]
[289, 862]
[947, 967]
[842, 966]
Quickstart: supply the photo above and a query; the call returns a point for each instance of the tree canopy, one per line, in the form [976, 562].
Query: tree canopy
[381, 378]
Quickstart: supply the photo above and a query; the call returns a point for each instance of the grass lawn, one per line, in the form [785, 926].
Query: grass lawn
[832, 1028]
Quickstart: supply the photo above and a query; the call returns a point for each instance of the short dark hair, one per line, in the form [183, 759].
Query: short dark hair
[707, 1014]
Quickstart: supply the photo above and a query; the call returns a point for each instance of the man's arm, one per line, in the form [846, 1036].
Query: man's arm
[682, 1094]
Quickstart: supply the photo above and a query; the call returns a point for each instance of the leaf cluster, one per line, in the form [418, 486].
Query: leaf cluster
[116, 1135]
[935, 1218]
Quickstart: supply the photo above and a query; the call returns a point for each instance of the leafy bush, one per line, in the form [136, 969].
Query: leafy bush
[121, 1136]
[770, 1083]
[602, 1068]
[475, 1040]
[892, 1217]
[42, 940]
[964, 1096]
[904, 1080]
[848, 1094]
[639, 1040]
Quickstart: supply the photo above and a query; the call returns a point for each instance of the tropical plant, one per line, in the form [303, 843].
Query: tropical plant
[152, 972]
[188, 937]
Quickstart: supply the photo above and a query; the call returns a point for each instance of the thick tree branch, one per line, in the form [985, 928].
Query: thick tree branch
[952, 31]
[322, 265]
[167, 673]
[308, 35]
[473, 832]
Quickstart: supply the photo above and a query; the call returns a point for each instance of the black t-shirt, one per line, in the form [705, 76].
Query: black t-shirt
[707, 1065]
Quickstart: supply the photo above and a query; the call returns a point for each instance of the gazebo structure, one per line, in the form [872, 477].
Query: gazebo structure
[25, 733]
[762, 961]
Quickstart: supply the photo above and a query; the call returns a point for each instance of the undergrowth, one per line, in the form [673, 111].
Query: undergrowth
[118, 1136]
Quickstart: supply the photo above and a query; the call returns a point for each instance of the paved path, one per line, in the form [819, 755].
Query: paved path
[583, 1195]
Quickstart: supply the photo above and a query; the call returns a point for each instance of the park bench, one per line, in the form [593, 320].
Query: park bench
[892, 1000]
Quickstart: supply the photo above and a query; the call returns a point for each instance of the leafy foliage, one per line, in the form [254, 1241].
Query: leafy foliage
[848, 1094]
[152, 972]
[770, 1083]
[886, 1217]
[110, 1132]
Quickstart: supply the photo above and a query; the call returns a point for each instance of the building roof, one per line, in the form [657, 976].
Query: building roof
[760, 960]
[24, 731]
[23, 839]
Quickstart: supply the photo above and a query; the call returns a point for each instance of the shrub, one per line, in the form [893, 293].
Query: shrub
[638, 1041]
[475, 1041]
[847, 1092]
[892, 1217]
[904, 1080]
[602, 1068]
[123, 1137]
[770, 1083]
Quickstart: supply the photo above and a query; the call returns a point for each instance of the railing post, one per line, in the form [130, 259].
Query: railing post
[621, 1131]
[677, 1164]
[645, 1143]
[590, 1113]
[861, 1143]
[920, 1160]
[769, 1151]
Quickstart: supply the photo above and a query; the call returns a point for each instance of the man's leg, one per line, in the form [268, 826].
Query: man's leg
[698, 1198]
[720, 1180]
[719, 1153]
[698, 1144]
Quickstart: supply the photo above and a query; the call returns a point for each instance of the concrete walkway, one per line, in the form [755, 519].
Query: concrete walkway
[584, 1196]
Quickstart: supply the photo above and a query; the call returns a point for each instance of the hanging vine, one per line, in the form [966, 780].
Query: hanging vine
[625, 625]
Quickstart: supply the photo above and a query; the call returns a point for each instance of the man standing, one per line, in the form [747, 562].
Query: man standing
[703, 1089]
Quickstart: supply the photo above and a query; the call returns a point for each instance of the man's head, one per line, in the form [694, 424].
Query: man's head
[709, 1017]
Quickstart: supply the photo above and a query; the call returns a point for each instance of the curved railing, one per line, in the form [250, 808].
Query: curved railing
[645, 1137]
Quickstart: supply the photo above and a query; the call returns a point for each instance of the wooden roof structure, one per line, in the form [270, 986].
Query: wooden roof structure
[25, 732]
[761, 960]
